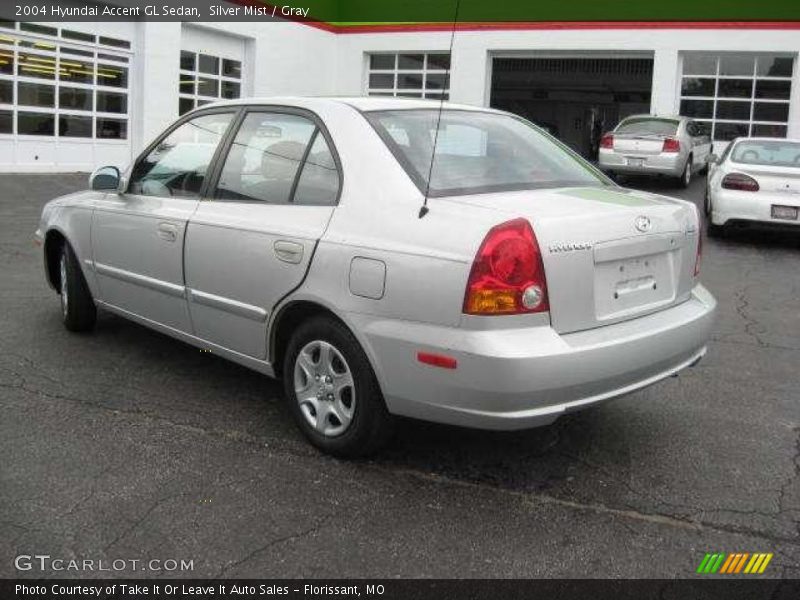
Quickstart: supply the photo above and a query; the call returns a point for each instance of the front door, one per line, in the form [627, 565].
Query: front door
[251, 243]
[138, 236]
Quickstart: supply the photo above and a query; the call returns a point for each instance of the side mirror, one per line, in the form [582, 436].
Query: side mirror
[712, 159]
[105, 179]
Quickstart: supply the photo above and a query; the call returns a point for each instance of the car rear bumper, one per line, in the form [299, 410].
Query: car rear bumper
[519, 378]
[670, 164]
[734, 205]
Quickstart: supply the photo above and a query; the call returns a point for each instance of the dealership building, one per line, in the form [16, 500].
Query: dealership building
[77, 95]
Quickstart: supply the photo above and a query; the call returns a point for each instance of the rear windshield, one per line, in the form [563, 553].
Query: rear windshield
[763, 152]
[648, 126]
[478, 152]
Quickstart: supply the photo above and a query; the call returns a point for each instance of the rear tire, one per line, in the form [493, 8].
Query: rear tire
[686, 174]
[716, 231]
[332, 391]
[78, 311]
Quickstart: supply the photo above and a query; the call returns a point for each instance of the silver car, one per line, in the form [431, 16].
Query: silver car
[498, 285]
[656, 145]
[756, 180]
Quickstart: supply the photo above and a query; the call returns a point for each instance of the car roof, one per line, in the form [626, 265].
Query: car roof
[649, 116]
[765, 139]
[362, 103]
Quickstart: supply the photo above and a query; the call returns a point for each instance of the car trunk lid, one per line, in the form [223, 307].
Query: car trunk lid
[774, 179]
[638, 144]
[610, 254]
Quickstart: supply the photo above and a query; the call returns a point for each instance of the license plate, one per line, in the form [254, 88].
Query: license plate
[787, 213]
[635, 162]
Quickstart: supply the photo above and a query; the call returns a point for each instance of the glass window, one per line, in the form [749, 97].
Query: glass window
[209, 64]
[699, 64]
[112, 102]
[732, 110]
[771, 111]
[478, 152]
[231, 68]
[6, 121]
[36, 94]
[108, 41]
[319, 180]
[646, 125]
[697, 108]
[177, 165]
[77, 35]
[230, 89]
[6, 92]
[186, 84]
[187, 60]
[75, 71]
[75, 98]
[74, 52]
[409, 75]
[737, 64]
[36, 123]
[36, 65]
[115, 57]
[263, 161]
[36, 28]
[724, 132]
[411, 61]
[112, 75]
[735, 88]
[74, 126]
[767, 152]
[775, 66]
[6, 62]
[208, 87]
[185, 105]
[115, 129]
[771, 130]
[773, 90]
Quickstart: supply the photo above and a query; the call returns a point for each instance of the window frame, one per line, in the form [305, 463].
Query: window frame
[424, 92]
[219, 78]
[222, 156]
[235, 111]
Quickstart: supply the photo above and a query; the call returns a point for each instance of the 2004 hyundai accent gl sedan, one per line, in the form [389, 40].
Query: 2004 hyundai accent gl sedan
[286, 234]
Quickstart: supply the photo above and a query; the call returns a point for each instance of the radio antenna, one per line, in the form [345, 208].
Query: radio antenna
[424, 208]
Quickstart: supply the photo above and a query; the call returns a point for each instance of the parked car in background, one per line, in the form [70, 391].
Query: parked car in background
[286, 234]
[656, 145]
[756, 180]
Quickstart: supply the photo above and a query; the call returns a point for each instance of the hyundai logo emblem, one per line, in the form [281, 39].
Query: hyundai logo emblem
[643, 224]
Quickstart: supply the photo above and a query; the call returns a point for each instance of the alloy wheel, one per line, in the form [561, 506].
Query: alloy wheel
[62, 268]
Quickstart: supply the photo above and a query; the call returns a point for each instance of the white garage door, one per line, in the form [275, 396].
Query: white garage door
[64, 98]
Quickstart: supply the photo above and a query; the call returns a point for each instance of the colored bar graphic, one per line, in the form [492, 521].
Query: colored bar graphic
[735, 563]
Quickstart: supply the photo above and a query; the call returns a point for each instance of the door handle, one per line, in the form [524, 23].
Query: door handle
[290, 252]
[168, 232]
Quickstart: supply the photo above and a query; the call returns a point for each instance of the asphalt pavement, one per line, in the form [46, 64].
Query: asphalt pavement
[127, 445]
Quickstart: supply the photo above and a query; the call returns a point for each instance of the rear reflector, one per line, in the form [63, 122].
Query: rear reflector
[671, 145]
[437, 360]
[739, 181]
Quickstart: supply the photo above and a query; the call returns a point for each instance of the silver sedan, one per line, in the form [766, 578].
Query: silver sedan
[656, 145]
[498, 282]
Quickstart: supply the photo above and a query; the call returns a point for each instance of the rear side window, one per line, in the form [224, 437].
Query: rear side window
[178, 164]
[648, 126]
[478, 152]
[319, 179]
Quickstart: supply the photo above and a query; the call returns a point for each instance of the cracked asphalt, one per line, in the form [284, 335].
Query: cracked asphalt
[126, 444]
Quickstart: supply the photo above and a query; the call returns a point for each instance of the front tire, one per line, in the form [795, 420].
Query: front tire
[78, 311]
[332, 391]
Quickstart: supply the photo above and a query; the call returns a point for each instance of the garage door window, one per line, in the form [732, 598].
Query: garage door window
[422, 75]
[51, 88]
[737, 94]
[205, 78]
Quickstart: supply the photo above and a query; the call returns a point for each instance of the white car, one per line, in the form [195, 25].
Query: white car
[756, 180]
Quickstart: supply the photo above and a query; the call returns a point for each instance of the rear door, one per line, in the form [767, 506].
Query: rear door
[251, 242]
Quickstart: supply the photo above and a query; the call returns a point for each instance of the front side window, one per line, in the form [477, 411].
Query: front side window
[178, 164]
[478, 152]
[267, 158]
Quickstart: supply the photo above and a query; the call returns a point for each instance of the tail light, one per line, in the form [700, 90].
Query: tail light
[699, 253]
[739, 181]
[607, 141]
[671, 145]
[507, 276]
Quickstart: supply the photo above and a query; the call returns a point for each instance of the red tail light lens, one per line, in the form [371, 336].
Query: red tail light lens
[507, 276]
[671, 145]
[699, 253]
[607, 141]
[739, 181]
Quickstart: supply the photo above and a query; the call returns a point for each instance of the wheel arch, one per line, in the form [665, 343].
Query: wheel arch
[53, 243]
